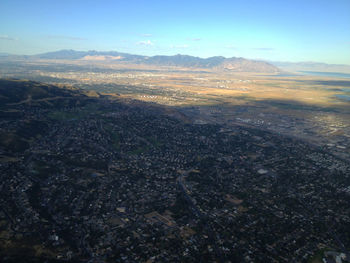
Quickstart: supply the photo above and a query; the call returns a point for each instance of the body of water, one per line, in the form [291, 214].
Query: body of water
[326, 74]
[343, 97]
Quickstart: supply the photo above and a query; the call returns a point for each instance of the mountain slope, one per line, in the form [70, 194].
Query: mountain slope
[19, 91]
[247, 65]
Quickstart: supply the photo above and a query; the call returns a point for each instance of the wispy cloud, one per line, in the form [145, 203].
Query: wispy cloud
[145, 43]
[180, 46]
[264, 48]
[193, 39]
[66, 37]
[146, 35]
[231, 47]
[6, 37]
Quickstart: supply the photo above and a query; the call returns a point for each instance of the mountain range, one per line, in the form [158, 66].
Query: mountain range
[237, 64]
[217, 62]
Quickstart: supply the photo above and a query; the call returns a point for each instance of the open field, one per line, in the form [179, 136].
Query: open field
[183, 86]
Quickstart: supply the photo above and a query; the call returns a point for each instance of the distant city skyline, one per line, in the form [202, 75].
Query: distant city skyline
[269, 30]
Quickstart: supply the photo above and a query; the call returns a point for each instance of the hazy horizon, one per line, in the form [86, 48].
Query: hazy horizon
[181, 54]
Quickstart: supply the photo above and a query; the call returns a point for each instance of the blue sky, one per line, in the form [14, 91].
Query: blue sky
[284, 30]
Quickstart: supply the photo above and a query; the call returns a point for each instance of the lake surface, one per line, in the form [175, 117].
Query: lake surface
[326, 74]
[343, 97]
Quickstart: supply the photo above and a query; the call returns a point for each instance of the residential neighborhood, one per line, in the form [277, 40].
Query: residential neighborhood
[112, 181]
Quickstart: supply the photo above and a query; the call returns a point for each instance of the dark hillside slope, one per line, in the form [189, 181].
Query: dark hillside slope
[16, 91]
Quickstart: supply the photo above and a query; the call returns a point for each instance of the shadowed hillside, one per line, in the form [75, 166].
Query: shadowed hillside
[20, 91]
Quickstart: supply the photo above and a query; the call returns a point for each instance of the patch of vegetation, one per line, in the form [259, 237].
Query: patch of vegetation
[317, 257]
[27, 250]
[13, 142]
[116, 141]
[155, 142]
[43, 170]
[139, 150]
[31, 129]
[65, 116]
[81, 113]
